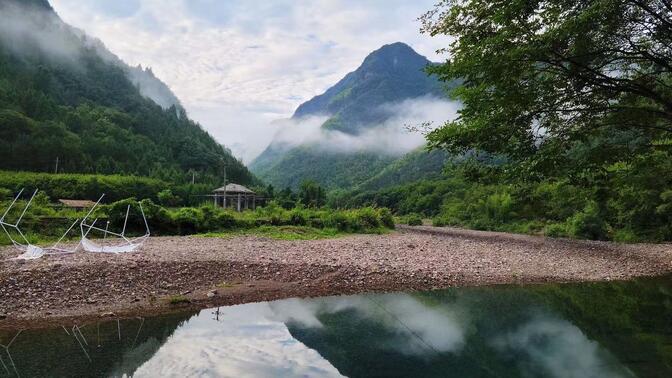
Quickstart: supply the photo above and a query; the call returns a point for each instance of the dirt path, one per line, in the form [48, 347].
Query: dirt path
[211, 271]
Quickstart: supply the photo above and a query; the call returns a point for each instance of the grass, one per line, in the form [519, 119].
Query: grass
[178, 299]
[281, 233]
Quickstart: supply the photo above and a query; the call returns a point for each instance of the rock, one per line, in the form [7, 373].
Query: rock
[107, 314]
[212, 293]
[3, 316]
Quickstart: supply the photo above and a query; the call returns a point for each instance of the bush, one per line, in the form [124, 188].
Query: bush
[588, 224]
[439, 222]
[626, 236]
[411, 220]
[297, 218]
[386, 217]
[167, 198]
[188, 220]
[367, 219]
[556, 230]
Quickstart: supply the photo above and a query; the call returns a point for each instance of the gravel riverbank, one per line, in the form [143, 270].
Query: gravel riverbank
[200, 272]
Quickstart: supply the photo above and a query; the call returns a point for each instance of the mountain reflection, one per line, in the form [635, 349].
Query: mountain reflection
[617, 329]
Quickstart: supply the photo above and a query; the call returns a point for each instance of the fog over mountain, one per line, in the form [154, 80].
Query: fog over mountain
[359, 125]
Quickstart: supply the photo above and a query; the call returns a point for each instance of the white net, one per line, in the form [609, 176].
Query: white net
[91, 246]
[32, 252]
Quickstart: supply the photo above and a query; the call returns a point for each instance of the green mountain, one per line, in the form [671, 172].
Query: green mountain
[64, 96]
[355, 106]
[390, 74]
[416, 165]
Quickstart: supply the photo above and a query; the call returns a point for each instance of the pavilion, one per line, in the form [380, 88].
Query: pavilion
[235, 196]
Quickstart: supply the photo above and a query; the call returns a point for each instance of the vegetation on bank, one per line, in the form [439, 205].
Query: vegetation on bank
[565, 126]
[46, 221]
[635, 204]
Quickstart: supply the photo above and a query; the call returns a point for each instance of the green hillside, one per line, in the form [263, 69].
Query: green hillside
[416, 165]
[64, 97]
[356, 103]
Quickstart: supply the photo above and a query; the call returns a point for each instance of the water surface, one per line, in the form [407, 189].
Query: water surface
[617, 329]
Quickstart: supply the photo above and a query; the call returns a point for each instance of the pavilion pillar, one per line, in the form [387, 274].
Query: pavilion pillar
[239, 202]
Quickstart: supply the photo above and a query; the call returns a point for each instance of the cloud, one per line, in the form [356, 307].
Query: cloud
[249, 343]
[390, 137]
[29, 30]
[560, 349]
[227, 58]
[420, 329]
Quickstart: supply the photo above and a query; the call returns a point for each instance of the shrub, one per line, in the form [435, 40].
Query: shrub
[188, 220]
[555, 230]
[626, 236]
[386, 217]
[297, 218]
[439, 222]
[367, 219]
[588, 223]
[340, 221]
[167, 198]
[412, 220]
[224, 219]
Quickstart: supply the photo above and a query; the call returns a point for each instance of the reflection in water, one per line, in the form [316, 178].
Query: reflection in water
[581, 330]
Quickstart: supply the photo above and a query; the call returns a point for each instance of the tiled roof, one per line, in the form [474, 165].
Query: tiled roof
[233, 188]
[77, 203]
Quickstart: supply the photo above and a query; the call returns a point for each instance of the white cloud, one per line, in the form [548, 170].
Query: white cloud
[560, 350]
[248, 343]
[237, 65]
[390, 137]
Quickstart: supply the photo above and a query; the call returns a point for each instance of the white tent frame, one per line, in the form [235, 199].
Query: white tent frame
[29, 250]
[127, 245]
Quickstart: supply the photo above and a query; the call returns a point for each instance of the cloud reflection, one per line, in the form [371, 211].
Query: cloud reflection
[560, 349]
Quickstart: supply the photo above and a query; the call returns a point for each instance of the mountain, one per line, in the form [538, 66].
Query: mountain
[64, 96]
[416, 165]
[390, 74]
[356, 108]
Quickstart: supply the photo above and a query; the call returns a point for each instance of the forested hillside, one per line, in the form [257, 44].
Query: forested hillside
[575, 100]
[362, 101]
[64, 97]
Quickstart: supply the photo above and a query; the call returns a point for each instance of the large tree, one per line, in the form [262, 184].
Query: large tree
[545, 81]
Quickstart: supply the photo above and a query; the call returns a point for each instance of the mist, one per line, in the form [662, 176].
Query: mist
[391, 137]
[30, 30]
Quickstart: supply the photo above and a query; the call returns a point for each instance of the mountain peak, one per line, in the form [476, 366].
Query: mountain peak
[396, 56]
[392, 73]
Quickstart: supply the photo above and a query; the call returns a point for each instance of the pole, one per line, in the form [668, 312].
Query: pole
[56, 170]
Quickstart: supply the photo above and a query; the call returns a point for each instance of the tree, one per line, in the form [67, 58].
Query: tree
[311, 194]
[167, 198]
[555, 85]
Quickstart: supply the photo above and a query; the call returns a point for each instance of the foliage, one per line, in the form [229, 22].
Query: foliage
[46, 222]
[634, 204]
[412, 219]
[561, 88]
[311, 194]
[282, 233]
[167, 198]
[84, 111]
[588, 223]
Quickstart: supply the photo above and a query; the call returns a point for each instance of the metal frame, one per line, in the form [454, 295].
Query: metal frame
[133, 243]
[26, 246]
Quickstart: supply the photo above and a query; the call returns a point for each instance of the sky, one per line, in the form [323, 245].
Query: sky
[236, 66]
